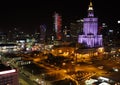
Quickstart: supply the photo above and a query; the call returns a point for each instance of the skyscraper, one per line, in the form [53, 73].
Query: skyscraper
[90, 35]
[57, 24]
[42, 33]
[76, 28]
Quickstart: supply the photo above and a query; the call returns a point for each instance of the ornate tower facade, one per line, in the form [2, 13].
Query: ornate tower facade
[90, 35]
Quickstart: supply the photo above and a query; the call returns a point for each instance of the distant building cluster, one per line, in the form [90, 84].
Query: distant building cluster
[84, 31]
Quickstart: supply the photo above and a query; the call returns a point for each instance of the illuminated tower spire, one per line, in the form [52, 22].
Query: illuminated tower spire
[90, 10]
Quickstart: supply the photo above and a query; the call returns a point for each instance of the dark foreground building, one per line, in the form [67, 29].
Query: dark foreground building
[8, 76]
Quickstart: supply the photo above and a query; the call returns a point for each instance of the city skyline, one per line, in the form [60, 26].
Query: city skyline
[28, 16]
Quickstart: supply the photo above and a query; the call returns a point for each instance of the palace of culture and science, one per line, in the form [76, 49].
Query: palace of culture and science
[90, 35]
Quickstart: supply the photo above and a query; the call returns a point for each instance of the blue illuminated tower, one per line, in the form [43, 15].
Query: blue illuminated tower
[42, 33]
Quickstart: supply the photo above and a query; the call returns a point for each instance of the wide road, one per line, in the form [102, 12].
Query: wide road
[25, 80]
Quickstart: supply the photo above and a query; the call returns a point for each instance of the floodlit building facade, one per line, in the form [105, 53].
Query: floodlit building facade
[90, 35]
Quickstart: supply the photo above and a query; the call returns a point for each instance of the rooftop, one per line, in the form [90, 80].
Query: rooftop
[4, 68]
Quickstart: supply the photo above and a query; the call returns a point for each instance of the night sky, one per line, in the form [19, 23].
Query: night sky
[28, 15]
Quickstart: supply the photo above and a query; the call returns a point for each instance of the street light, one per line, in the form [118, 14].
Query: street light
[118, 21]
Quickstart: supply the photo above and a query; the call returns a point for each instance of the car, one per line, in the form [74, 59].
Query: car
[100, 67]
